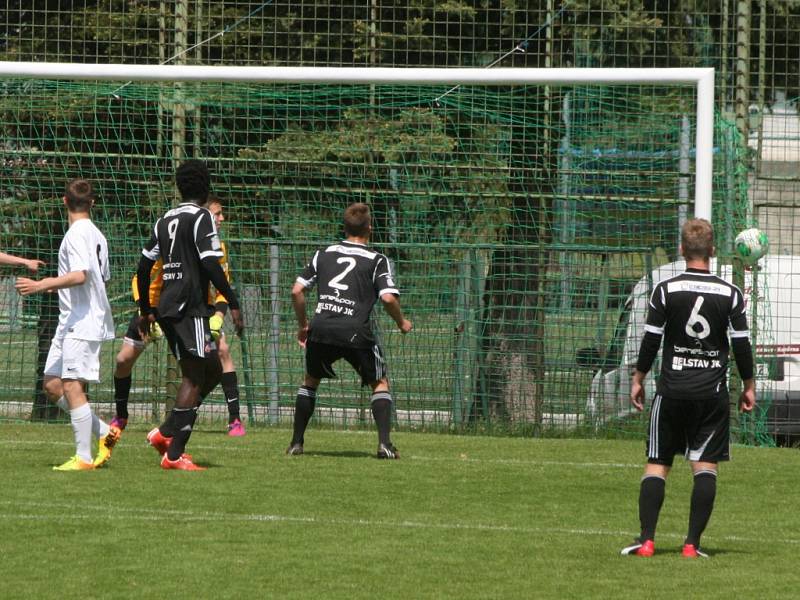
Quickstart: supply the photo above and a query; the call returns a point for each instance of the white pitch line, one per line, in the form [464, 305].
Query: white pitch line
[157, 515]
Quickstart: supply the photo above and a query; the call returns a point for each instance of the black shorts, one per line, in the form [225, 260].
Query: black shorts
[697, 428]
[368, 362]
[132, 336]
[189, 336]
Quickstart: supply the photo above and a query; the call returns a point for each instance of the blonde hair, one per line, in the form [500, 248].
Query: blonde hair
[697, 239]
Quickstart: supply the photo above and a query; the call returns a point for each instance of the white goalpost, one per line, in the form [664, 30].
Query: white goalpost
[562, 183]
[701, 78]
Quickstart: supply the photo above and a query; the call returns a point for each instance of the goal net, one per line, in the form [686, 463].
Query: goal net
[520, 208]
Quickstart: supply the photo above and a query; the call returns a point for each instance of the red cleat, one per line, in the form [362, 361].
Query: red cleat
[690, 551]
[158, 441]
[645, 548]
[182, 464]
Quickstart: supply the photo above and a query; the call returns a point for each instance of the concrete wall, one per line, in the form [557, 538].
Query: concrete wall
[776, 202]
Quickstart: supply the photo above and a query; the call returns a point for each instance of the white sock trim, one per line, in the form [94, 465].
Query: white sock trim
[63, 404]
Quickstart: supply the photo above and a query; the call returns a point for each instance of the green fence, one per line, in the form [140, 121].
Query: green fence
[519, 220]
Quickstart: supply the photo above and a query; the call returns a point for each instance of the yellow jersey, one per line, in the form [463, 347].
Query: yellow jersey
[156, 281]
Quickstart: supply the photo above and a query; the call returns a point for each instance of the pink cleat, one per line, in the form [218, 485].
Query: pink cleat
[236, 429]
[119, 423]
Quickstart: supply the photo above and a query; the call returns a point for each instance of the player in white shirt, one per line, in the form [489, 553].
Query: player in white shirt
[84, 322]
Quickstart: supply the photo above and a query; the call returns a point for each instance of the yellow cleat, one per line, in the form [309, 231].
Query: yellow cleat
[75, 464]
[106, 445]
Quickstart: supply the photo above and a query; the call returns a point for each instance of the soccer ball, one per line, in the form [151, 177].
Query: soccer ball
[751, 244]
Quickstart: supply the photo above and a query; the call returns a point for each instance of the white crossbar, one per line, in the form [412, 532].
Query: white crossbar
[701, 78]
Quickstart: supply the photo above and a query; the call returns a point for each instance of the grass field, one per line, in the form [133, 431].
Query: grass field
[456, 517]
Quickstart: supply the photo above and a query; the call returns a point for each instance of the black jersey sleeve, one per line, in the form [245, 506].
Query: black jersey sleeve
[217, 276]
[738, 318]
[740, 336]
[657, 311]
[653, 330]
[206, 238]
[743, 354]
[143, 283]
[151, 249]
[383, 279]
[308, 276]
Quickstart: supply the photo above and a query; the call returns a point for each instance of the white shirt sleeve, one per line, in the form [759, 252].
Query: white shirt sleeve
[78, 253]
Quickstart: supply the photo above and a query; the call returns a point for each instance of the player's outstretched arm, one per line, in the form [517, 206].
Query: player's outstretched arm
[217, 276]
[392, 306]
[26, 286]
[147, 318]
[299, 306]
[32, 264]
[237, 320]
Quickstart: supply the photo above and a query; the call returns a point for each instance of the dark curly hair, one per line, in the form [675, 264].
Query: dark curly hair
[193, 180]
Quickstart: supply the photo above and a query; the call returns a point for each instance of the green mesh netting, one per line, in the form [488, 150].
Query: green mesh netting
[519, 220]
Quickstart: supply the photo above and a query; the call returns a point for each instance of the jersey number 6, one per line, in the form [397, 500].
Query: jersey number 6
[696, 318]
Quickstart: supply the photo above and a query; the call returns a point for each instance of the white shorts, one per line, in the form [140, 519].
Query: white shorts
[74, 359]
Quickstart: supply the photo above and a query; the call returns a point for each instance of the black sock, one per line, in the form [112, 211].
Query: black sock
[230, 387]
[651, 497]
[122, 392]
[167, 428]
[382, 413]
[703, 494]
[303, 409]
[183, 420]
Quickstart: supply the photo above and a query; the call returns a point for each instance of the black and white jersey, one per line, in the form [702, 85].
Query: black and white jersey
[182, 238]
[350, 278]
[695, 312]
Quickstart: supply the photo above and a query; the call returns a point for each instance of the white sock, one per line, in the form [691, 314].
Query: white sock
[63, 404]
[99, 427]
[81, 418]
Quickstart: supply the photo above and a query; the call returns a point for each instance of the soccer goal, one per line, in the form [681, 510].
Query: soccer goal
[520, 207]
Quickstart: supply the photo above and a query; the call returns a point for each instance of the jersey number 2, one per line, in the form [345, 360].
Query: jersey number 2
[351, 264]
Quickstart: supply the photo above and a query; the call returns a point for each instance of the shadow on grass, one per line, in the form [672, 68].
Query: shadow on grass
[338, 454]
[714, 552]
[222, 432]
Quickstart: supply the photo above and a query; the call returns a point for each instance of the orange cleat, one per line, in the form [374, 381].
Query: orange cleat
[106, 445]
[690, 551]
[75, 464]
[182, 464]
[645, 548]
[158, 441]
